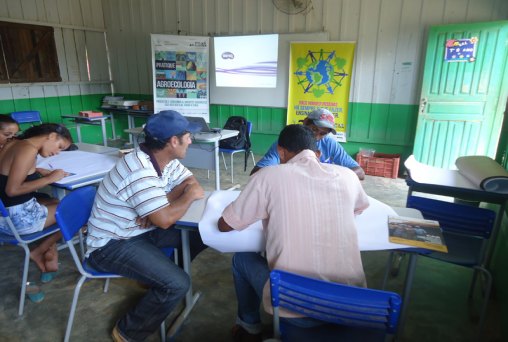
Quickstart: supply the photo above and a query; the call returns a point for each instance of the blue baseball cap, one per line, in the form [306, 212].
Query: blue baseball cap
[168, 123]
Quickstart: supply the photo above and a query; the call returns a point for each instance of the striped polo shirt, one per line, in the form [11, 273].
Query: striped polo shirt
[135, 187]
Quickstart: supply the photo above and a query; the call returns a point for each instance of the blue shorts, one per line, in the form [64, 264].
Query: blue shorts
[28, 217]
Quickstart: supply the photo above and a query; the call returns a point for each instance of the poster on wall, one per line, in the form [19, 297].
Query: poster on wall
[320, 77]
[180, 74]
[461, 50]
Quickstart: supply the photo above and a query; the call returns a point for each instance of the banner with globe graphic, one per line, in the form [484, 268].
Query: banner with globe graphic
[320, 77]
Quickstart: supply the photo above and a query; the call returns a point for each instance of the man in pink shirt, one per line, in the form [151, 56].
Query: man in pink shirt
[307, 209]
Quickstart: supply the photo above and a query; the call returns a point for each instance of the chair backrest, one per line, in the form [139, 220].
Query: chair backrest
[334, 303]
[73, 211]
[28, 116]
[249, 127]
[455, 218]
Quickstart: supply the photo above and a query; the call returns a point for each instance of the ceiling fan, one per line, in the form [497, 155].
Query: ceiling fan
[293, 6]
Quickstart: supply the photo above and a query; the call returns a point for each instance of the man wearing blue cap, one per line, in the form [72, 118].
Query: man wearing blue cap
[136, 206]
[321, 122]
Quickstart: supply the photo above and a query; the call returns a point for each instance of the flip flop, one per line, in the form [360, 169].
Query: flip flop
[34, 293]
[46, 277]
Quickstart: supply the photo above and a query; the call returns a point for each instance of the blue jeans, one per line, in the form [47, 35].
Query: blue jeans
[141, 259]
[250, 274]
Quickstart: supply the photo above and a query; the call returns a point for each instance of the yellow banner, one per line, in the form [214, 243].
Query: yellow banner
[320, 77]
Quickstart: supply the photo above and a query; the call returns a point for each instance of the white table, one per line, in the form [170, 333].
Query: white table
[79, 120]
[203, 153]
[98, 149]
[86, 168]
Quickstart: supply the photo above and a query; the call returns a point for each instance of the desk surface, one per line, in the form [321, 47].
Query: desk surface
[84, 118]
[97, 149]
[136, 112]
[84, 166]
[199, 137]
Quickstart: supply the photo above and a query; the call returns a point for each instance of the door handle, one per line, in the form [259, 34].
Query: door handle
[423, 104]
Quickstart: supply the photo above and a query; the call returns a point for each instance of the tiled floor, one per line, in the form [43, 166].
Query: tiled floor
[438, 309]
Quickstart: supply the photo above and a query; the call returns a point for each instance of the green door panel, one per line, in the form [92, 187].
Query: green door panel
[462, 103]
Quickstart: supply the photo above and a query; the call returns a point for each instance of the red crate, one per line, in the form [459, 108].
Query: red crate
[381, 164]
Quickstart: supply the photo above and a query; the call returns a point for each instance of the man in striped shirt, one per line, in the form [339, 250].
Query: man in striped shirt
[136, 206]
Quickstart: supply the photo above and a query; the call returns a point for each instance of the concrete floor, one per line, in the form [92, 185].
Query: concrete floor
[438, 309]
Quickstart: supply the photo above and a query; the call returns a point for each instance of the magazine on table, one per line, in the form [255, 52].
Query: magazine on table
[416, 232]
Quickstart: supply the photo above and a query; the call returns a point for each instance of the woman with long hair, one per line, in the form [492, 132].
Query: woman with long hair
[19, 180]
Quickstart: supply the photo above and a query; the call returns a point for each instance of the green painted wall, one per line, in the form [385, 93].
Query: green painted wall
[383, 127]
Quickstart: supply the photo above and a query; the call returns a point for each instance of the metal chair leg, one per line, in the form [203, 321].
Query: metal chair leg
[24, 280]
[73, 308]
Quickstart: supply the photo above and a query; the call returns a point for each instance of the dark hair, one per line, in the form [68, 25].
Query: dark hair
[296, 138]
[47, 128]
[155, 144]
[6, 120]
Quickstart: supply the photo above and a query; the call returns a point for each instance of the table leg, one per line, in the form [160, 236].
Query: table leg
[104, 136]
[217, 167]
[190, 298]
[130, 124]
[408, 283]
[113, 125]
[495, 231]
[78, 131]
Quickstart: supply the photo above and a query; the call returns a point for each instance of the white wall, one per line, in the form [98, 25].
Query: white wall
[79, 32]
[390, 34]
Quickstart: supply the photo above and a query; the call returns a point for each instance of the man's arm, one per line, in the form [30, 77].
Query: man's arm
[359, 172]
[271, 157]
[178, 190]
[182, 199]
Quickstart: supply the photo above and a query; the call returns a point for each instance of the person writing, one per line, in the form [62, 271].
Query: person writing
[132, 218]
[8, 129]
[321, 122]
[308, 213]
[19, 181]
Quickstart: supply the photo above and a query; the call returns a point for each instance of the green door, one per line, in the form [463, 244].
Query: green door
[462, 102]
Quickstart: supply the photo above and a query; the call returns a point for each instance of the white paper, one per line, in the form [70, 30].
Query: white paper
[372, 227]
[474, 172]
[484, 172]
[82, 165]
[427, 174]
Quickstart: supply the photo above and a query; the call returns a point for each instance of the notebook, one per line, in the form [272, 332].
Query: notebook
[201, 122]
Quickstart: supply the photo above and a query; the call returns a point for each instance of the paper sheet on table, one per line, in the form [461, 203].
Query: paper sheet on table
[484, 172]
[82, 164]
[427, 174]
[372, 227]
[250, 239]
[474, 172]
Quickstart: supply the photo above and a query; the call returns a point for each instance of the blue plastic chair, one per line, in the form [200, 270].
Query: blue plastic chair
[27, 116]
[23, 241]
[466, 231]
[232, 153]
[335, 303]
[72, 214]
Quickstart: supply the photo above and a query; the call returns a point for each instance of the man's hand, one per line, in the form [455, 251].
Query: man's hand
[144, 222]
[195, 191]
[223, 226]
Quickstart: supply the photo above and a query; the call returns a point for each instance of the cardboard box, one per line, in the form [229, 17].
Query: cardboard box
[380, 164]
[90, 114]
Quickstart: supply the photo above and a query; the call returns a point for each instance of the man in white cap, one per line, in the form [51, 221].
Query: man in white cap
[321, 122]
[132, 218]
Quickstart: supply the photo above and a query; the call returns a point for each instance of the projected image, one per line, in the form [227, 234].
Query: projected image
[246, 61]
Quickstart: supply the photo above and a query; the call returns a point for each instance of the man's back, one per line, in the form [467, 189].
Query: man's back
[310, 208]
